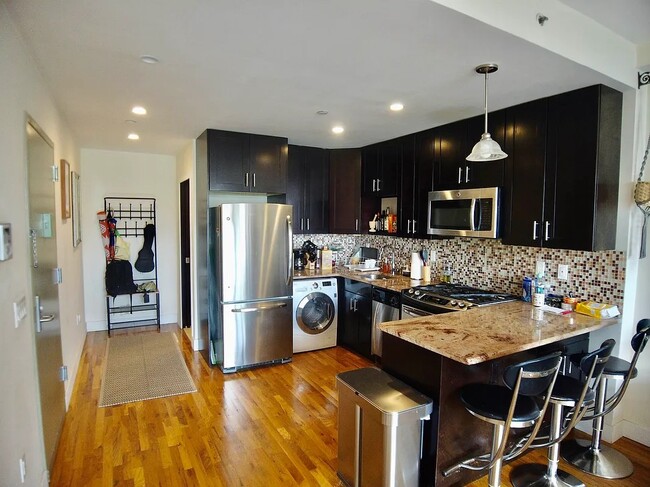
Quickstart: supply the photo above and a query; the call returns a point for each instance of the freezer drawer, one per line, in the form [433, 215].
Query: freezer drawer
[256, 332]
[380, 429]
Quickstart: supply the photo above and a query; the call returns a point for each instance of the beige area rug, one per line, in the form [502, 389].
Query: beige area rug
[143, 366]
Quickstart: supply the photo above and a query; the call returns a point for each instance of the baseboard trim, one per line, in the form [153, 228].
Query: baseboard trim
[636, 432]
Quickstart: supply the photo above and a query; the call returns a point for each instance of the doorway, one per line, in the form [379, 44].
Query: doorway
[186, 283]
[43, 267]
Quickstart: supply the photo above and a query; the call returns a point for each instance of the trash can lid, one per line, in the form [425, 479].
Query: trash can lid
[384, 391]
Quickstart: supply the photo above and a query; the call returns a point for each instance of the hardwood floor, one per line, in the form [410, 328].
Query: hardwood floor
[263, 427]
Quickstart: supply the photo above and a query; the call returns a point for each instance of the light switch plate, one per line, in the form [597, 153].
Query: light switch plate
[540, 268]
[562, 272]
[6, 249]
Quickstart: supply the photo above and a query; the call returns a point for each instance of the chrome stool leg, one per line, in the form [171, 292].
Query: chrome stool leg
[538, 475]
[592, 457]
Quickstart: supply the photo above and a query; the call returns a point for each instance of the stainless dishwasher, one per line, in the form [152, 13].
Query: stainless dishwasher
[385, 307]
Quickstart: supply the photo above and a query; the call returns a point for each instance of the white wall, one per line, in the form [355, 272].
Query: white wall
[25, 92]
[129, 174]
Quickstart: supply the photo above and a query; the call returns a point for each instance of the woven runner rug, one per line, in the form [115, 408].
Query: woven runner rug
[143, 366]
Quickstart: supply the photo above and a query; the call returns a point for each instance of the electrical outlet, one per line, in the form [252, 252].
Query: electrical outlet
[540, 268]
[20, 311]
[22, 463]
[562, 272]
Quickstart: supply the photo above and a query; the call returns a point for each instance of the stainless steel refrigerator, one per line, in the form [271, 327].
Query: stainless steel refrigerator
[251, 284]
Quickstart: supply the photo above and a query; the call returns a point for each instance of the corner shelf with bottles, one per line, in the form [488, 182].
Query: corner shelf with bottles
[384, 220]
[135, 216]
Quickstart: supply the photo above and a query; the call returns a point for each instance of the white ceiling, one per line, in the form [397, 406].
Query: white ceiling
[267, 66]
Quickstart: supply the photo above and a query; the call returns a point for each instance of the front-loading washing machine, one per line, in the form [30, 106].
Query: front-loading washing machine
[315, 308]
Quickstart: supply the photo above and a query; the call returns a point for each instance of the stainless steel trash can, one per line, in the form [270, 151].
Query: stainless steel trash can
[380, 429]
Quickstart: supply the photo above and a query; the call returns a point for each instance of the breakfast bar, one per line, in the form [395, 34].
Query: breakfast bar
[438, 354]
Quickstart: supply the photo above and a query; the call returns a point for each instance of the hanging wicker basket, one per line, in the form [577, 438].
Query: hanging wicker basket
[642, 192]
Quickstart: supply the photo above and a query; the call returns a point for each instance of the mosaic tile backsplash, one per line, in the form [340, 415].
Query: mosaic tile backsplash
[488, 264]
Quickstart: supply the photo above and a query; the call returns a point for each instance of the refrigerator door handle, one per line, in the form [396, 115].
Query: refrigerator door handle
[289, 251]
[259, 308]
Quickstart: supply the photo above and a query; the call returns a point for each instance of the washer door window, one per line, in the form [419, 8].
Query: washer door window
[315, 313]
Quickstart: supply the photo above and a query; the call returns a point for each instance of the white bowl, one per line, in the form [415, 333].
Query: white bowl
[369, 263]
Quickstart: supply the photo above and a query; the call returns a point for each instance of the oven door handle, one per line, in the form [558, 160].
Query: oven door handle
[413, 312]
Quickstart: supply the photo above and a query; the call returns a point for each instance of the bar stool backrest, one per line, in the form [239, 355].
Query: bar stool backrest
[593, 363]
[641, 337]
[536, 374]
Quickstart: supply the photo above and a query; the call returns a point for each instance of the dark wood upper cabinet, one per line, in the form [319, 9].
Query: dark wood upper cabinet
[345, 191]
[240, 162]
[418, 152]
[582, 169]
[453, 170]
[562, 173]
[307, 189]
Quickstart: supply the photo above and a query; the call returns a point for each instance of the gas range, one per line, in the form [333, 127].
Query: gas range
[444, 297]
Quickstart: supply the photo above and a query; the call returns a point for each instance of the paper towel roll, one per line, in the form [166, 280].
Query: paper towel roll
[416, 266]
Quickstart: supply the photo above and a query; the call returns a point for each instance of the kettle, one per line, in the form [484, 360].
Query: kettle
[299, 259]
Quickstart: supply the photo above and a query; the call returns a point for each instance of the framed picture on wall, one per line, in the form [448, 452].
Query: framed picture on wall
[76, 208]
[65, 189]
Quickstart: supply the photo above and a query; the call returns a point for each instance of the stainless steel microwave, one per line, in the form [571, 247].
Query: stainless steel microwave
[464, 213]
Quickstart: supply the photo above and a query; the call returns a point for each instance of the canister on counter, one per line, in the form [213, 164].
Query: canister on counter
[528, 287]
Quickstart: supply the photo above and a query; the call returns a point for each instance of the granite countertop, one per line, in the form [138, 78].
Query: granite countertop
[396, 283]
[482, 334]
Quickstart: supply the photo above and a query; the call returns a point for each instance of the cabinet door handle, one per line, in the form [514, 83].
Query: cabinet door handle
[414, 222]
[352, 304]
[378, 185]
[467, 174]
[355, 305]
[408, 226]
[374, 185]
[535, 230]
[546, 226]
[307, 224]
[356, 224]
[246, 180]
[460, 174]
[253, 180]
[302, 221]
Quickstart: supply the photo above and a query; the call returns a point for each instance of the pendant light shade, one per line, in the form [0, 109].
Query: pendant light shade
[486, 149]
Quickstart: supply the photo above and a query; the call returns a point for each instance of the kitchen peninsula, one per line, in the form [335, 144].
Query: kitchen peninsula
[438, 354]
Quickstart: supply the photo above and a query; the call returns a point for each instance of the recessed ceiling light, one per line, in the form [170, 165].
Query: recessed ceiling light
[337, 129]
[138, 110]
[133, 136]
[396, 107]
[149, 59]
[322, 112]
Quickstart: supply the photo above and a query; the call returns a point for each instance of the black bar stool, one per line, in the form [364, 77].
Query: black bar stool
[578, 394]
[514, 406]
[591, 456]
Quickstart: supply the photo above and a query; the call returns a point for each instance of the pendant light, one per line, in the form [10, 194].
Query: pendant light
[486, 149]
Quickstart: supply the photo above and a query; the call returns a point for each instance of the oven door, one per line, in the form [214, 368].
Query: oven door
[411, 312]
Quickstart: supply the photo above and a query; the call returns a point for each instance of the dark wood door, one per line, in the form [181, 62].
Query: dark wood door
[484, 174]
[316, 184]
[296, 185]
[371, 162]
[389, 169]
[186, 282]
[364, 326]
[345, 190]
[228, 161]
[451, 164]
[348, 328]
[522, 199]
[268, 164]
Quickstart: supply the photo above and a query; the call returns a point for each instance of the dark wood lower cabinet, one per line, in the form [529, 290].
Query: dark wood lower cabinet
[355, 317]
[452, 434]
